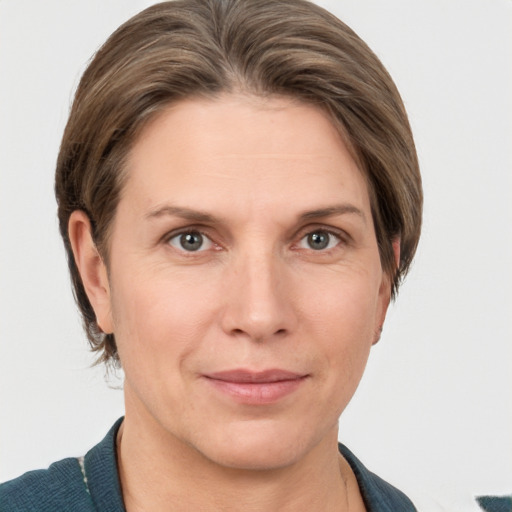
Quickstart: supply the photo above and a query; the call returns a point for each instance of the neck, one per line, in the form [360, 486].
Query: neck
[158, 470]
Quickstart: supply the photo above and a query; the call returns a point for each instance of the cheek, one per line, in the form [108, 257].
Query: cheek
[157, 315]
[342, 316]
[344, 302]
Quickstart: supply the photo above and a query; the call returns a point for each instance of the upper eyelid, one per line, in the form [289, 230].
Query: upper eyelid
[331, 233]
[298, 235]
[202, 230]
[306, 230]
[186, 229]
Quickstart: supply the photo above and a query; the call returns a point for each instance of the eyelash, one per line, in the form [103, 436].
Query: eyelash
[340, 237]
[190, 231]
[333, 237]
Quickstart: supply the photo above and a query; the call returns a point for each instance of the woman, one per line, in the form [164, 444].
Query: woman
[239, 197]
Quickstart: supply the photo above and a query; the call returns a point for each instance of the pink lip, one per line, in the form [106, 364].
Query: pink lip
[256, 388]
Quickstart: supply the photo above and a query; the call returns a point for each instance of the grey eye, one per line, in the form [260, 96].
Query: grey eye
[319, 240]
[190, 241]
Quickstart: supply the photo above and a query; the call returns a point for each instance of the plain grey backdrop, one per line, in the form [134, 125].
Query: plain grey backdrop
[433, 413]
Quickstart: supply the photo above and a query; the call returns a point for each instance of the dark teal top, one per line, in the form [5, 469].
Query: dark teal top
[92, 484]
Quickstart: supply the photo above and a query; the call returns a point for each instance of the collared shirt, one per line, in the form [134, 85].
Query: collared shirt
[91, 484]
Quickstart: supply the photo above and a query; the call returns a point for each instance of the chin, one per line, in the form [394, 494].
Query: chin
[262, 457]
[263, 447]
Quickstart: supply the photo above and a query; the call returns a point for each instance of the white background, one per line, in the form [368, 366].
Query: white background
[434, 411]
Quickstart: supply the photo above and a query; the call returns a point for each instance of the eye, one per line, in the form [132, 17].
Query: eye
[190, 241]
[319, 240]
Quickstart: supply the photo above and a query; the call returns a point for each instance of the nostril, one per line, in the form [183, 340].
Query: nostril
[258, 336]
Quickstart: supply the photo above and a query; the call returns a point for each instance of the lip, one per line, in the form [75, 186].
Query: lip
[256, 387]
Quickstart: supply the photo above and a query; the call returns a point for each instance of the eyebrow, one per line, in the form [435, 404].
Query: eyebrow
[199, 216]
[178, 211]
[332, 211]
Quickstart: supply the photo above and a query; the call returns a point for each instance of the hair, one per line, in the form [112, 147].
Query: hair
[202, 48]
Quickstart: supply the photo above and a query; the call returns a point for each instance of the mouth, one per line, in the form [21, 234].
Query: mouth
[256, 387]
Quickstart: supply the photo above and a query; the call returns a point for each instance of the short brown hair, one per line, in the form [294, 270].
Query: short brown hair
[185, 48]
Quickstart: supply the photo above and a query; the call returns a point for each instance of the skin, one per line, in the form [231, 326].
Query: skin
[256, 178]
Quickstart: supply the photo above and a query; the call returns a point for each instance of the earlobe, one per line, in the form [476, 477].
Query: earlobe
[396, 251]
[385, 293]
[92, 269]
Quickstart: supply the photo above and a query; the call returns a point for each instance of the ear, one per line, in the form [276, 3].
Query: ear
[92, 269]
[385, 292]
[396, 251]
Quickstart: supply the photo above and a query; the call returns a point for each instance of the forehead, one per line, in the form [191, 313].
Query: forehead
[240, 150]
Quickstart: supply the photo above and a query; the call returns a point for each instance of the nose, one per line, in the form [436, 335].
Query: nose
[259, 299]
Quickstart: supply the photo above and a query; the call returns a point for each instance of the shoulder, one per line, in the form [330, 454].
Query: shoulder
[60, 487]
[377, 494]
[87, 484]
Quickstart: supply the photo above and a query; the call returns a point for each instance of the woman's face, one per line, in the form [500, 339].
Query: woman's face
[245, 287]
